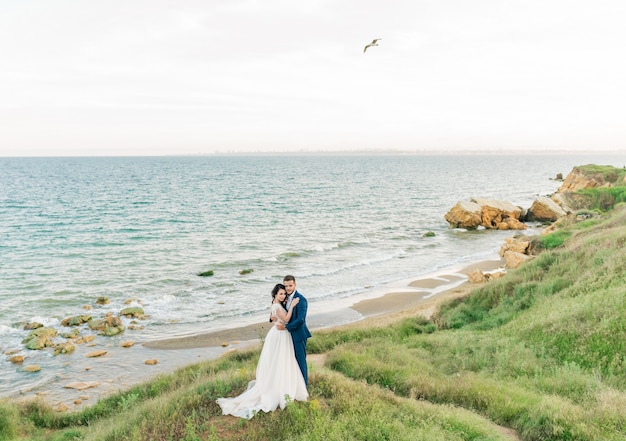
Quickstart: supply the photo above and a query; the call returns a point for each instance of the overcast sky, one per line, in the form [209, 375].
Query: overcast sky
[153, 77]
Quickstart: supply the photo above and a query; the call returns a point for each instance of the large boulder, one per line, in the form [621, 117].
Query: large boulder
[513, 259]
[494, 212]
[488, 213]
[464, 215]
[544, 209]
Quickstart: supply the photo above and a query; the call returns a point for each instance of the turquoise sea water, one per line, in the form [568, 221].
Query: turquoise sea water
[141, 229]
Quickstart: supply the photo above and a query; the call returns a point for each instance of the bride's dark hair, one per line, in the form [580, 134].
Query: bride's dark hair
[277, 288]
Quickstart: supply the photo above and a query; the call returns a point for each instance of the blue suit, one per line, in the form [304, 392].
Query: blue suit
[300, 333]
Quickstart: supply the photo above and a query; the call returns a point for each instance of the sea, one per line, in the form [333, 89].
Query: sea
[140, 231]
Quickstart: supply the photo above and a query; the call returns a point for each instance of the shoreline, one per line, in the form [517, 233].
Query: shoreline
[400, 298]
[120, 369]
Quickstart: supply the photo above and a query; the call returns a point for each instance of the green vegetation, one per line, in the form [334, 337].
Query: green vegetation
[208, 273]
[605, 198]
[246, 271]
[539, 354]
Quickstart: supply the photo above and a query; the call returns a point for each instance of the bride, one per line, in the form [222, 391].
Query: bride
[278, 376]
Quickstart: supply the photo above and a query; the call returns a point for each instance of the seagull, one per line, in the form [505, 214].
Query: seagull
[373, 43]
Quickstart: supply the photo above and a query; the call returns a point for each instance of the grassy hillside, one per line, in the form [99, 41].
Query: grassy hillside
[539, 354]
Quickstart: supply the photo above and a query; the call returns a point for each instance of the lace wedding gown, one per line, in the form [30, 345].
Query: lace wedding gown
[278, 378]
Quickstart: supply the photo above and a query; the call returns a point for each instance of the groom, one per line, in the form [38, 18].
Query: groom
[297, 325]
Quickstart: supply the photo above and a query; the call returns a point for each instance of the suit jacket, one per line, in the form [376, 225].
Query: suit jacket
[297, 325]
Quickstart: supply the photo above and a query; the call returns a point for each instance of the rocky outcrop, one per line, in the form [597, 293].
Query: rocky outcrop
[545, 209]
[516, 250]
[464, 215]
[502, 215]
[487, 213]
[579, 179]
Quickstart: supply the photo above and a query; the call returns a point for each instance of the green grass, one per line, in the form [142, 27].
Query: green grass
[539, 354]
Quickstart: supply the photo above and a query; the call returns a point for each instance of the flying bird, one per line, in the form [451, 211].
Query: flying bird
[373, 43]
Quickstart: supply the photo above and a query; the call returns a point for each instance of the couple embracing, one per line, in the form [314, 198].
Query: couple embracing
[281, 372]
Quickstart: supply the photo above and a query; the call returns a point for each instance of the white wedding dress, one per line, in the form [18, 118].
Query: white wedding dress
[278, 378]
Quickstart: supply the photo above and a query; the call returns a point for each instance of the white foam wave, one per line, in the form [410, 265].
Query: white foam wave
[165, 300]
[7, 330]
[46, 321]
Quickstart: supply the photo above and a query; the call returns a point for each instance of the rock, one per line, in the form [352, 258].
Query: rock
[40, 338]
[509, 223]
[152, 361]
[127, 344]
[31, 326]
[108, 326]
[132, 311]
[103, 300]
[32, 368]
[488, 213]
[87, 307]
[514, 260]
[61, 408]
[518, 244]
[82, 385]
[578, 179]
[64, 348]
[76, 320]
[85, 339]
[72, 334]
[545, 209]
[429, 234]
[224, 344]
[494, 275]
[17, 359]
[95, 354]
[494, 211]
[464, 215]
[476, 276]
[78, 401]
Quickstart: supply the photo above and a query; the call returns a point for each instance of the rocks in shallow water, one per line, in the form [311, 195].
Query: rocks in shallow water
[486, 213]
[132, 311]
[103, 300]
[95, 354]
[76, 320]
[85, 339]
[108, 326]
[17, 359]
[31, 326]
[127, 344]
[64, 348]
[72, 334]
[40, 338]
[32, 368]
[152, 361]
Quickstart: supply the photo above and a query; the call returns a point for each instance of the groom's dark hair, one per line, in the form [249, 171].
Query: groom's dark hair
[289, 277]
